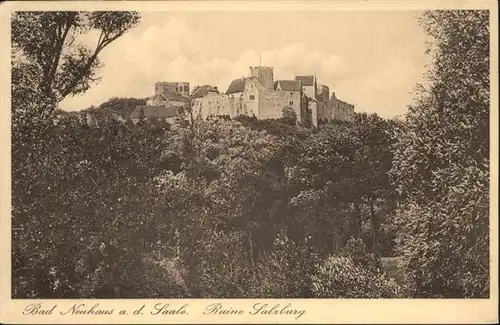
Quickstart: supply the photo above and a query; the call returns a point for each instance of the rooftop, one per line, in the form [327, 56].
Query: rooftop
[237, 85]
[306, 80]
[158, 97]
[176, 97]
[202, 91]
[288, 85]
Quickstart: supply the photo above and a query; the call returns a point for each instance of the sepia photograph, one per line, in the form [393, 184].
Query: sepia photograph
[248, 155]
[218, 159]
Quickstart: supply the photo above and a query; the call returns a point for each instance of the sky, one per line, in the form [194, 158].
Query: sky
[372, 59]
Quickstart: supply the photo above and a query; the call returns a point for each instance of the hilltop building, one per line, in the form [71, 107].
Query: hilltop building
[257, 95]
[261, 96]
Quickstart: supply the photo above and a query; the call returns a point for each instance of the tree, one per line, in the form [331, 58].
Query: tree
[122, 106]
[341, 171]
[441, 161]
[141, 117]
[48, 61]
[96, 191]
[289, 116]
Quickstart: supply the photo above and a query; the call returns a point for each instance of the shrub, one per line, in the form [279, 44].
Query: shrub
[289, 116]
[222, 268]
[355, 249]
[353, 273]
[285, 271]
[341, 277]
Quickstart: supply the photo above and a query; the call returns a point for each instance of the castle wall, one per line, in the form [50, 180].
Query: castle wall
[341, 110]
[273, 102]
[324, 112]
[213, 104]
[264, 105]
[269, 105]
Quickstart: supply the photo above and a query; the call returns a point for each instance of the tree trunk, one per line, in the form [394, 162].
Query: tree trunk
[250, 244]
[356, 221]
[375, 228]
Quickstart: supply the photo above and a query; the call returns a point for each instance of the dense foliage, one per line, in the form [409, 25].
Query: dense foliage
[215, 204]
[441, 163]
[353, 273]
[103, 207]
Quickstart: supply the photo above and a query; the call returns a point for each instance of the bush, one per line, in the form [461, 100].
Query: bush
[289, 116]
[285, 271]
[340, 277]
[353, 273]
[222, 268]
[355, 249]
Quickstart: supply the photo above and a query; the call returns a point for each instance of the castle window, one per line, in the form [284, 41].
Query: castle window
[291, 103]
[252, 97]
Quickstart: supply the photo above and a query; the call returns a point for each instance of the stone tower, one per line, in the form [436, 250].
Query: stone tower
[265, 76]
[323, 93]
[163, 87]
